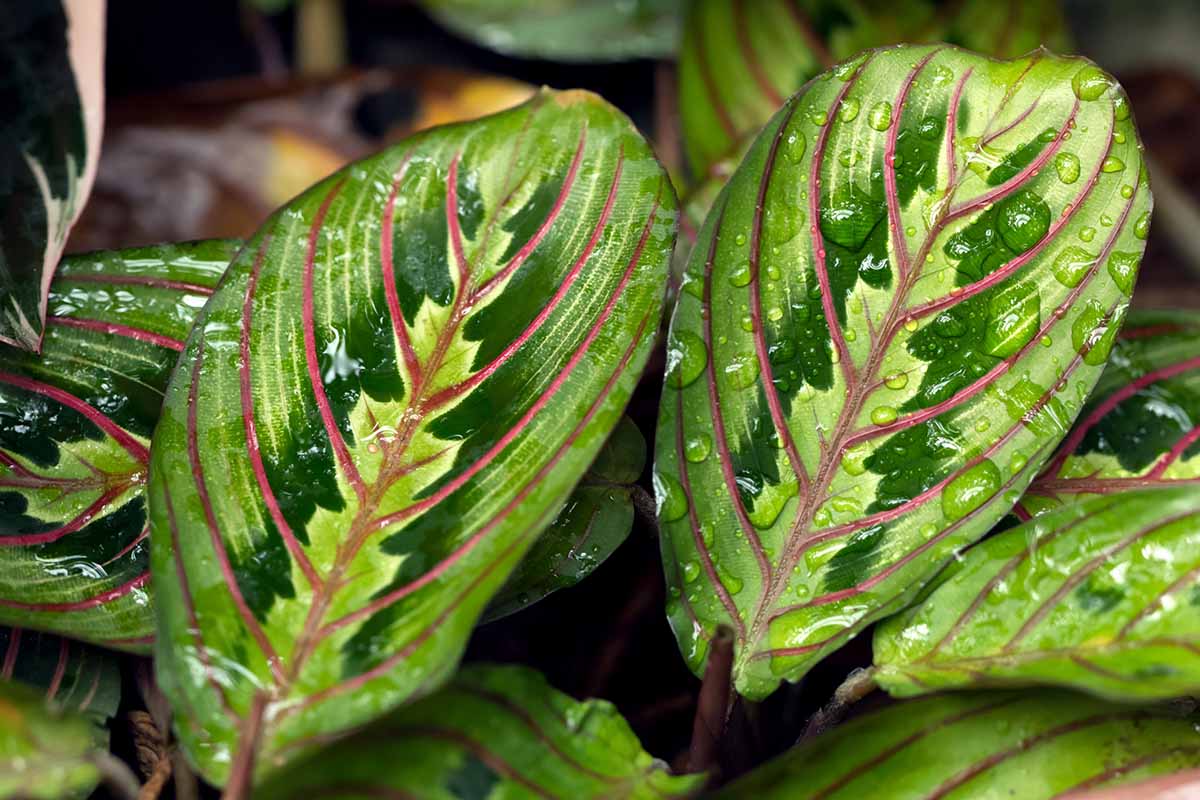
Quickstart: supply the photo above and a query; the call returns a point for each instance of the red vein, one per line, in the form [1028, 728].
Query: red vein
[78, 522]
[411, 364]
[1024, 115]
[141, 537]
[742, 32]
[10, 654]
[1176, 452]
[951, 135]
[703, 65]
[80, 605]
[139, 334]
[60, 669]
[138, 280]
[807, 32]
[1186, 579]
[1112, 773]
[477, 749]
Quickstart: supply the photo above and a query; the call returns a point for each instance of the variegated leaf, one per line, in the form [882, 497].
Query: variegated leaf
[75, 426]
[71, 676]
[1141, 426]
[493, 732]
[980, 746]
[52, 85]
[394, 390]
[740, 59]
[45, 753]
[1102, 595]
[591, 526]
[875, 347]
[565, 30]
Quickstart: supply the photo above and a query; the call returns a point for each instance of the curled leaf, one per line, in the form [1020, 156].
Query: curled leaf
[75, 426]
[1100, 595]
[493, 732]
[873, 342]
[394, 390]
[1032, 746]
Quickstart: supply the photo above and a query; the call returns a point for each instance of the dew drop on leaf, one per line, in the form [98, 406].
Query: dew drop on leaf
[686, 358]
[970, 490]
[1112, 164]
[672, 501]
[1067, 166]
[1087, 233]
[884, 415]
[697, 447]
[740, 239]
[897, 380]
[1142, 226]
[849, 109]
[1023, 220]
[691, 571]
[742, 370]
[1072, 264]
[1090, 83]
[1122, 267]
[740, 276]
[880, 116]
[795, 145]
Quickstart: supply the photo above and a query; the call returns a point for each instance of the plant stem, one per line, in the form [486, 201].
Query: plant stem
[712, 707]
[643, 507]
[858, 684]
[117, 776]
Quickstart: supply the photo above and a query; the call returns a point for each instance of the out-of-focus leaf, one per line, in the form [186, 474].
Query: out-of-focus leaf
[565, 30]
[740, 59]
[1100, 596]
[45, 754]
[979, 746]
[493, 732]
[71, 676]
[874, 349]
[394, 390]
[591, 526]
[1141, 425]
[75, 425]
[52, 89]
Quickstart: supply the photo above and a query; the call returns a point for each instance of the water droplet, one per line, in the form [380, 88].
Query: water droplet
[747, 323]
[671, 500]
[1112, 164]
[775, 314]
[731, 582]
[740, 239]
[970, 490]
[880, 116]
[1141, 228]
[853, 460]
[1017, 462]
[1093, 333]
[849, 109]
[691, 571]
[897, 380]
[686, 358]
[1119, 137]
[1072, 264]
[795, 145]
[1022, 220]
[1067, 165]
[697, 447]
[930, 128]
[848, 158]
[1106, 220]
[742, 370]
[846, 505]
[948, 326]
[982, 425]
[910, 325]
[1087, 233]
[1123, 268]
[1121, 107]
[884, 415]
[818, 118]
[1127, 191]
[1090, 82]
[851, 335]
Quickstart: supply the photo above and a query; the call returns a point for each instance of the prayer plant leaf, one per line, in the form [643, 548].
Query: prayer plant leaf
[1102, 595]
[811, 476]
[71, 676]
[52, 85]
[740, 59]
[45, 753]
[968, 746]
[394, 390]
[565, 30]
[492, 732]
[1141, 425]
[591, 526]
[75, 426]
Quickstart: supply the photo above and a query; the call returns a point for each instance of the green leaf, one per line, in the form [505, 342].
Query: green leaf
[565, 30]
[1029, 746]
[591, 526]
[1141, 425]
[492, 732]
[395, 389]
[1100, 595]
[51, 79]
[44, 753]
[75, 425]
[739, 60]
[849, 460]
[71, 676]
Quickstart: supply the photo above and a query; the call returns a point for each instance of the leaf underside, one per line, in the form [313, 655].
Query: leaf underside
[1141, 425]
[1101, 595]
[45, 754]
[1032, 746]
[71, 676]
[393, 392]
[492, 732]
[811, 476]
[75, 426]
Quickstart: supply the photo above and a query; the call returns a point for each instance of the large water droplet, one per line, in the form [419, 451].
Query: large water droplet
[1121, 107]
[1023, 220]
[897, 380]
[884, 415]
[1141, 228]
[880, 116]
[742, 370]
[1112, 164]
[691, 571]
[1072, 264]
[794, 146]
[1090, 82]
[1123, 267]
[686, 358]
[697, 447]
[1067, 165]
[669, 496]
[970, 490]
[849, 109]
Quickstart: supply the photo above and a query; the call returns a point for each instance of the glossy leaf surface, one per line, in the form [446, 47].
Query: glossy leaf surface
[71, 676]
[591, 526]
[1031, 746]
[75, 426]
[51, 82]
[493, 732]
[740, 59]
[1103, 596]
[44, 754]
[1141, 426]
[873, 350]
[565, 30]
[395, 389]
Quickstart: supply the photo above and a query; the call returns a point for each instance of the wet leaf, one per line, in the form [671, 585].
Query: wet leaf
[492, 732]
[394, 390]
[565, 30]
[1100, 595]
[1030, 746]
[591, 526]
[877, 344]
[45, 754]
[740, 60]
[51, 82]
[70, 675]
[75, 426]
[1141, 425]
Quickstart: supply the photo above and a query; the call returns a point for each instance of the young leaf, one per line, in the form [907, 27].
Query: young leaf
[45, 754]
[71, 676]
[75, 425]
[52, 82]
[394, 390]
[565, 30]
[1101, 595]
[739, 60]
[874, 345]
[1141, 426]
[591, 526]
[1031, 746]
[493, 732]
